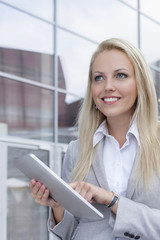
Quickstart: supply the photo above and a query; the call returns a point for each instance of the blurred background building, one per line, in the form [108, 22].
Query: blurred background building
[26, 110]
[45, 49]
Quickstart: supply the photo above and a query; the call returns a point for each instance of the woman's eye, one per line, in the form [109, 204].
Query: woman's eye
[121, 75]
[98, 78]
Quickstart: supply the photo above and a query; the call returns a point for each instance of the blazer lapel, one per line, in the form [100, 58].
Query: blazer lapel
[98, 167]
[132, 179]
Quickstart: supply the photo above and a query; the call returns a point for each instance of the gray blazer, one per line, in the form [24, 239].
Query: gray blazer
[138, 214]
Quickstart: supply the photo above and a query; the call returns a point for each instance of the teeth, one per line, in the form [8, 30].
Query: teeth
[110, 99]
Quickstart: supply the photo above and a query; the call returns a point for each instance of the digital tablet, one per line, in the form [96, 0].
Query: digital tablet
[34, 168]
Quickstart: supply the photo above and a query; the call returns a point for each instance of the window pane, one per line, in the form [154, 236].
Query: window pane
[150, 37]
[41, 8]
[27, 110]
[20, 31]
[156, 76]
[27, 64]
[151, 8]
[75, 58]
[25, 219]
[99, 19]
[132, 3]
[68, 112]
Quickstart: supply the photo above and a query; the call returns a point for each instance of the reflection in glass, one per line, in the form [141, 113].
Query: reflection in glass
[150, 40]
[156, 76]
[151, 8]
[132, 3]
[40, 8]
[99, 19]
[31, 65]
[25, 219]
[26, 64]
[26, 109]
[68, 113]
[21, 31]
[75, 62]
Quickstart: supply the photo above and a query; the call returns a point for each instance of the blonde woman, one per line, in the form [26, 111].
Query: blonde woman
[118, 152]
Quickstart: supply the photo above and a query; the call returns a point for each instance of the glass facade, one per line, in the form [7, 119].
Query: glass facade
[45, 49]
[27, 110]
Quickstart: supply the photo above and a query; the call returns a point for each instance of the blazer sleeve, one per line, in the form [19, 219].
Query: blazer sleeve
[136, 220]
[65, 229]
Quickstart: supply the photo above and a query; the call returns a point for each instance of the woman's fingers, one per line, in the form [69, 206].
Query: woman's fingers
[41, 194]
[45, 196]
[32, 183]
[37, 190]
[91, 192]
[84, 189]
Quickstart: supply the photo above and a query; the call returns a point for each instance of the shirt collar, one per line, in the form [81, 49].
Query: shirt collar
[134, 131]
[102, 131]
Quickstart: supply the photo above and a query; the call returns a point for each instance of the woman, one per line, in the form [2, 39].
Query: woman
[117, 151]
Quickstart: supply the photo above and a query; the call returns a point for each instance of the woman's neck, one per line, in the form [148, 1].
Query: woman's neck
[118, 129]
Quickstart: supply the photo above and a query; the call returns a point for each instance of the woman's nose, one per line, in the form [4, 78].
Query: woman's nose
[109, 85]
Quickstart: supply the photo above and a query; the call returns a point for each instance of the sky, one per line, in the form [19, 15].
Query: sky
[94, 19]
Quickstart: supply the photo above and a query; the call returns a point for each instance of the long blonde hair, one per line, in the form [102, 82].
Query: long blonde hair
[146, 115]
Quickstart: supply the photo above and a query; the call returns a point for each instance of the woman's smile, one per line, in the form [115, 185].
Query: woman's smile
[110, 100]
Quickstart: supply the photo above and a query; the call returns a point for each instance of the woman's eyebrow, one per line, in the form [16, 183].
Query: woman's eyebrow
[121, 69]
[98, 72]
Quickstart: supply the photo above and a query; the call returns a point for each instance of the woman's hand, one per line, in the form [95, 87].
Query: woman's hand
[94, 193]
[41, 194]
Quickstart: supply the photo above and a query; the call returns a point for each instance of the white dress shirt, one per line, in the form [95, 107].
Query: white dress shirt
[118, 162]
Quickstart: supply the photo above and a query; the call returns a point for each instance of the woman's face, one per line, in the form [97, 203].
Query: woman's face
[113, 87]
